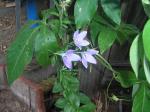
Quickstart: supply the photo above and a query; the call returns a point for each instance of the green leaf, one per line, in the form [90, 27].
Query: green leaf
[146, 69]
[20, 52]
[126, 78]
[146, 39]
[142, 99]
[95, 29]
[84, 99]
[45, 46]
[112, 9]
[146, 5]
[90, 107]
[50, 12]
[84, 12]
[61, 103]
[70, 83]
[69, 108]
[134, 56]
[74, 99]
[106, 38]
[135, 89]
[57, 87]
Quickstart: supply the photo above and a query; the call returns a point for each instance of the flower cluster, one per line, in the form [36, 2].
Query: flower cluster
[83, 56]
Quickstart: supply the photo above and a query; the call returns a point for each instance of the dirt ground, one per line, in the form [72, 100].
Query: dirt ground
[9, 103]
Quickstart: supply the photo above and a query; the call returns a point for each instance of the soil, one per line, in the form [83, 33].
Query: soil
[9, 103]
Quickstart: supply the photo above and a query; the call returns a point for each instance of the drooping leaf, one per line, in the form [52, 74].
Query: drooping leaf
[112, 9]
[106, 38]
[45, 45]
[146, 64]
[142, 99]
[146, 5]
[134, 56]
[146, 39]
[126, 78]
[84, 12]
[20, 52]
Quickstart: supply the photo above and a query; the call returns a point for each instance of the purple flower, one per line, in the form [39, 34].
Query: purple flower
[87, 56]
[79, 39]
[69, 57]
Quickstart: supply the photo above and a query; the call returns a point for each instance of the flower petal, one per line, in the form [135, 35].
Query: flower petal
[92, 51]
[67, 62]
[82, 35]
[74, 57]
[90, 58]
[84, 62]
[70, 51]
[84, 43]
[75, 35]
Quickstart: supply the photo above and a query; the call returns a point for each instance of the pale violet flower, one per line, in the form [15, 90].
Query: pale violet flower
[79, 39]
[88, 57]
[68, 57]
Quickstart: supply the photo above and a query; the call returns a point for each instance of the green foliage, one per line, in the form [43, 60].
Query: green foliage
[126, 78]
[87, 108]
[106, 39]
[84, 12]
[84, 99]
[147, 69]
[60, 103]
[73, 100]
[95, 29]
[124, 31]
[146, 5]
[45, 45]
[112, 9]
[57, 87]
[20, 51]
[53, 35]
[134, 55]
[142, 99]
[146, 39]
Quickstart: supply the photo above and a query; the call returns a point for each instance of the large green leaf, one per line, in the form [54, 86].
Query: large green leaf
[146, 5]
[20, 52]
[84, 11]
[112, 9]
[126, 78]
[146, 39]
[147, 69]
[106, 38]
[45, 45]
[142, 99]
[134, 56]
